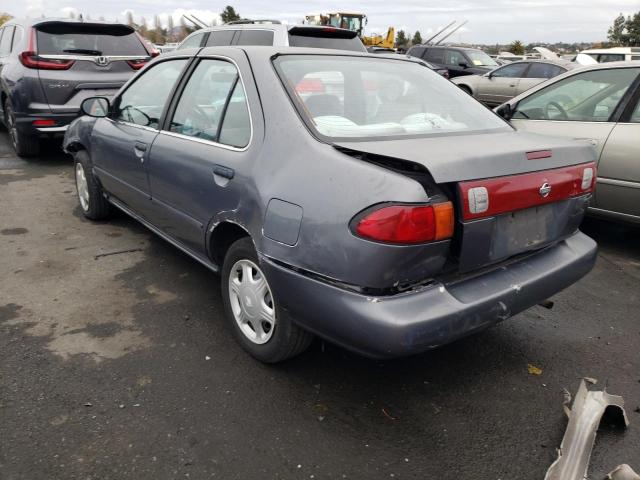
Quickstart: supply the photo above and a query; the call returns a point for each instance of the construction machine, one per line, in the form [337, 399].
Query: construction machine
[354, 21]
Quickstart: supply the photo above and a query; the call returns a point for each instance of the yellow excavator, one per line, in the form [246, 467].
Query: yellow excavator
[353, 21]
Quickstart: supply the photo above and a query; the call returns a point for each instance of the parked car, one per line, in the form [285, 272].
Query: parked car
[503, 83]
[600, 104]
[269, 34]
[615, 54]
[459, 61]
[47, 67]
[361, 198]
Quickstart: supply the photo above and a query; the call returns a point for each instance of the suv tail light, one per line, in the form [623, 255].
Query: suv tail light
[30, 58]
[137, 64]
[407, 224]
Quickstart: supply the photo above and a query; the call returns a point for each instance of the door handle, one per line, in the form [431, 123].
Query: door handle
[224, 172]
[140, 148]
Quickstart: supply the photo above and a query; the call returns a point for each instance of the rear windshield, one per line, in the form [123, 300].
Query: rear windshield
[351, 44]
[343, 97]
[88, 39]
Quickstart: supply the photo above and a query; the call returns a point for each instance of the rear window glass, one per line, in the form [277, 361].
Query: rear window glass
[88, 39]
[351, 44]
[366, 98]
[220, 37]
[255, 37]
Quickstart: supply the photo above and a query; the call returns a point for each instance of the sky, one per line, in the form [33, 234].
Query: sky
[489, 21]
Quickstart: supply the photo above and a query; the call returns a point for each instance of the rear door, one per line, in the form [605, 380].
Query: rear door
[98, 60]
[502, 83]
[538, 72]
[619, 169]
[120, 144]
[197, 166]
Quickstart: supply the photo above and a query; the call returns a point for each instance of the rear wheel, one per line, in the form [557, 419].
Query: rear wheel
[252, 310]
[24, 145]
[90, 196]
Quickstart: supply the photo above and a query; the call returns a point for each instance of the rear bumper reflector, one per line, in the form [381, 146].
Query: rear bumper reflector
[537, 155]
[517, 192]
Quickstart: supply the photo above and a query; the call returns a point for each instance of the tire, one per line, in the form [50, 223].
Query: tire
[24, 145]
[283, 339]
[90, 195]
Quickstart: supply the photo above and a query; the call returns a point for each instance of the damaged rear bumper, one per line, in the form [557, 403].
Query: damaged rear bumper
[416, 321]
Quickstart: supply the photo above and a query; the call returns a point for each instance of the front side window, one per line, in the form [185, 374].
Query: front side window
[454, 58]
[213, 105]
[585, 97]
[544, 70]
[344, 97]
[514, 70]
[194, 41]
[142, 103]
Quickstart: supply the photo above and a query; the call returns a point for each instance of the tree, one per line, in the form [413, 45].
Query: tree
[633, 30]
[4, 17]
[401, 39]
[229, 14]
[616, 33]
[417, 38]
[130, 21]
[170, 26]
[517, 48]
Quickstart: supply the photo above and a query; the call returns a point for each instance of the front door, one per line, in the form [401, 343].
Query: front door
[121, 143]
[500, 85]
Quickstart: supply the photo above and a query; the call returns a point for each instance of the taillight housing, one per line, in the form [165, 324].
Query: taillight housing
[31, 59]
[406, 224]
[137, 64]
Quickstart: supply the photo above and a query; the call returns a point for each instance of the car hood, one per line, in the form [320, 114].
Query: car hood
[455, 158]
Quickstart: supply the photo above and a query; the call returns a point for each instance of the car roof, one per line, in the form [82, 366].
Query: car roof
[554, 61]
[626, 50]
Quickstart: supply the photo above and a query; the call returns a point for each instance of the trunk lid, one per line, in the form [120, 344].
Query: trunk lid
[102, 57]
[513, 192]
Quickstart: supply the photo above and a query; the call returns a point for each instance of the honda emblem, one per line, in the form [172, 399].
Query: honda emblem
[102, 61]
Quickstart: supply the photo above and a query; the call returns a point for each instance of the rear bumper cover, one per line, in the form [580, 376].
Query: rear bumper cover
[62, 121]
[414, 322]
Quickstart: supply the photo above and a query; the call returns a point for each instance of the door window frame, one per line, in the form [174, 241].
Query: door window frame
[170, 109]
[632, 102]
[161, 120]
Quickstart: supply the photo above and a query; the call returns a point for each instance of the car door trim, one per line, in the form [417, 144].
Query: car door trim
[618, 183]
[177, 94]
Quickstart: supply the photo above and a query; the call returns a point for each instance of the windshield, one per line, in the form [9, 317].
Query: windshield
[367, 98]
[480, 59]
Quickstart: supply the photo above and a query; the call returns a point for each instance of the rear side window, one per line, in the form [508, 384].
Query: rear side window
[60, 38]
[544, 70]
[610, 57]
[434, 55]
[213, 106]
[336, 43]
[5, 40]
[194, 41]
[143, 102]
[255, 37]
[416, 52]
[220, 38]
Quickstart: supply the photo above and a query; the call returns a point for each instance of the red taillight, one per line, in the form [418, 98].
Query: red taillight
[408, 224]
[31, 60]
[43, 122]
[137, 64]
[310, 85]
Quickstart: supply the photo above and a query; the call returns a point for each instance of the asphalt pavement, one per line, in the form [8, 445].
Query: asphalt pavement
[116, 363]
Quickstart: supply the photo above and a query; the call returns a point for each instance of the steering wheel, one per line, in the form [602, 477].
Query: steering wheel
[557, 106]
[147, 118]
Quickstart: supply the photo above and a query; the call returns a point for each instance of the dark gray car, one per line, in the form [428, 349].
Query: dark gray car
[361, 198]
[47, 67]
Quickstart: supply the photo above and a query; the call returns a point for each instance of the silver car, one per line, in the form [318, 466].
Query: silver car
[506, 82]
[599, 104]
[361, 198]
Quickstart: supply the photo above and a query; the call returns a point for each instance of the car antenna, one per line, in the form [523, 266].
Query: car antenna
[451, 33]
[426, 42]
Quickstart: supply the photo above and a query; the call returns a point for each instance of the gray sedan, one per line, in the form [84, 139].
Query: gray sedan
[599, 104]
[506, 82]
[360, 198]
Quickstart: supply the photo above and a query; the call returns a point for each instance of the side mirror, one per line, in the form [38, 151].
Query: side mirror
[464, 64]
[488, 75]
[505, 111]
[97, 107]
